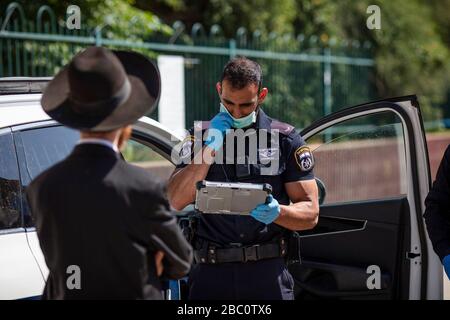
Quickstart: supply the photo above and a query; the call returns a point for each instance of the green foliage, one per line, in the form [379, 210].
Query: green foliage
[410, 54]
[123, 21]
[412, 49]
[116, 19]
[265, 15]
[119, 18]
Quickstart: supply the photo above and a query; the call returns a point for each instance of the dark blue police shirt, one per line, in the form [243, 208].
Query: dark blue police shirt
[295, 163]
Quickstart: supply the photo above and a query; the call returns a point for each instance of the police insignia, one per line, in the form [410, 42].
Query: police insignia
[268, 153]
[187, 147]
[304, 158]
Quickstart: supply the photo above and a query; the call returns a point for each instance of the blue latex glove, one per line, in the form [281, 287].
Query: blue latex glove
[267, 212]
[446, 263]
[217, 129]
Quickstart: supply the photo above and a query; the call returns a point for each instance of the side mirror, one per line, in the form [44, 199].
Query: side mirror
[322, 190]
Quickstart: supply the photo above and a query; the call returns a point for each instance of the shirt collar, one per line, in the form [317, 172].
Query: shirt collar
[103, 142]
[262, 120]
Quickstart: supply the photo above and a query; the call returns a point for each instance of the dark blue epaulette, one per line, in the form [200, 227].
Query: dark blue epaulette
[282, 127]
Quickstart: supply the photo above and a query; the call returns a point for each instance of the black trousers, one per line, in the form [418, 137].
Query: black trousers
[260, 280]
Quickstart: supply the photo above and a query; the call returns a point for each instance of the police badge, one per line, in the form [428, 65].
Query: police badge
[304, 158]
[187, 147]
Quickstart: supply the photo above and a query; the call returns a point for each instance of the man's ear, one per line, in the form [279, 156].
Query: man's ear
[124, 136]
[263, 95]
[219, 88]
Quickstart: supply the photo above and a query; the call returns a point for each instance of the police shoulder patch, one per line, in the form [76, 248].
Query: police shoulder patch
[304, 158]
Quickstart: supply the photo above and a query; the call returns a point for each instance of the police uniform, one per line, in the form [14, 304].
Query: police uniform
[238, 257]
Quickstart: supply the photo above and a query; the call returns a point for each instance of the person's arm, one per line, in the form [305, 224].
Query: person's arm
[437, 212]
[159, 256]
[182, 183]
[301, 188]
[167, 237]
[303, 213]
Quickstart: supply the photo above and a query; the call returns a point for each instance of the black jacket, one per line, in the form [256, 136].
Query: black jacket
[107, 217]
[437, 213]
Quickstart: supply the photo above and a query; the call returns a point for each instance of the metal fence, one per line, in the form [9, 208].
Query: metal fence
[306, 77]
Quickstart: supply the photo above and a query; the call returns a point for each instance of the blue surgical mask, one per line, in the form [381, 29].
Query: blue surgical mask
[240, 123]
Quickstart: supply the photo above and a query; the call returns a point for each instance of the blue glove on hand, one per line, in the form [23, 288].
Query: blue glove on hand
[446, 263]
[217, 129]
[267, 212]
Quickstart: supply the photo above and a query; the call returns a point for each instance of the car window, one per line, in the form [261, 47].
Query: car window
[9, 183]
[145, 157]
[361, 159]
[43, 147]
[38, 150]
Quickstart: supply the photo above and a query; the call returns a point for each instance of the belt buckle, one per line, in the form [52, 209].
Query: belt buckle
[251, 253]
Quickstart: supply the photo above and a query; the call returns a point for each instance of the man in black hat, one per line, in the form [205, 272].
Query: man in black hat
[104, 225]
[245, 256]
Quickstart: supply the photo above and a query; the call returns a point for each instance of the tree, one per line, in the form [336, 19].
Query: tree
[411, 50]
[119, 18]
[263, 15]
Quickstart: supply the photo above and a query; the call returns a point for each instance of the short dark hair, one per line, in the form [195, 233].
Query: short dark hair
[241, 72]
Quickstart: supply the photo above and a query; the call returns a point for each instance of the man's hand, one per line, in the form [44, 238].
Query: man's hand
[159, 256]
[218, 126]
[267, 212]
[446, 263]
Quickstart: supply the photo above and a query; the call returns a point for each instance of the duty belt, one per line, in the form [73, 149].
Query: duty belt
[214, 255]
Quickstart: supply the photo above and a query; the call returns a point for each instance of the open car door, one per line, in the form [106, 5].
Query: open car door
[371, 241]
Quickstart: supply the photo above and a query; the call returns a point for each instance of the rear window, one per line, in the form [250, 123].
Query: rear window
[39, 149]
[9, 184]
[44, 147]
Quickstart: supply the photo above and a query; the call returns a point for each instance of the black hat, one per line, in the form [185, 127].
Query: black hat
[102, 90]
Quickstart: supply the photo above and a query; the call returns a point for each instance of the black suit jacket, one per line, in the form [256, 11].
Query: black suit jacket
[437, 212]
[107, 217]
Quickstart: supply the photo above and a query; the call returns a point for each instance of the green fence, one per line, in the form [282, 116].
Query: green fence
[306, 77]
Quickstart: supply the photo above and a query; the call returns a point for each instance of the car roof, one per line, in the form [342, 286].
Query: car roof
[18, 109]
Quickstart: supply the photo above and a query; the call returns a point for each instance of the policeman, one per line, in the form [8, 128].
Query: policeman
[437, 213]
[243, 257]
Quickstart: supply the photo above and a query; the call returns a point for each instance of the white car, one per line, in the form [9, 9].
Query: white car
[371, 240]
